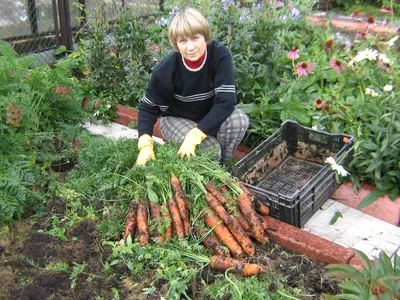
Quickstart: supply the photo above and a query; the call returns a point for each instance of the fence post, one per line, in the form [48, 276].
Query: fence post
[65, 24]
[32, 15]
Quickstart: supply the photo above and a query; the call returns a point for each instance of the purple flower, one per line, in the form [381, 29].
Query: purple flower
[336, 65]
[293, 54]
[304, 68]
[319, 103]
[387, 10]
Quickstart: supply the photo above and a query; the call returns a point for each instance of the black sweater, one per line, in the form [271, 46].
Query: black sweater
[207, 96]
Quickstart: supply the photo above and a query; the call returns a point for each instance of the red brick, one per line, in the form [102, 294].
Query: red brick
[356, 263]
[301, 241]
[126, 115]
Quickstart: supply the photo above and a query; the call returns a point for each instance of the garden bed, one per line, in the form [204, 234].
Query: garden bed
[28, 254]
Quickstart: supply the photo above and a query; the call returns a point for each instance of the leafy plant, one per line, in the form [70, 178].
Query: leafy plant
[114, 59]
[377, 280]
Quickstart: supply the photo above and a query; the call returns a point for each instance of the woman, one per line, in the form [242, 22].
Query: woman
[193, 90]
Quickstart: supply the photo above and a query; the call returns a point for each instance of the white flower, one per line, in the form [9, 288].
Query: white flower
[366, 54]
[384, 58]
[335, 167]
[392, 41]
[388, 88]
[371, 92]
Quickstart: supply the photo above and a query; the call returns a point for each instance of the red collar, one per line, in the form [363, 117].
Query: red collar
[197, 63]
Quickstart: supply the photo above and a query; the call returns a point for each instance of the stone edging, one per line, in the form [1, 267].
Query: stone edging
[352, 25]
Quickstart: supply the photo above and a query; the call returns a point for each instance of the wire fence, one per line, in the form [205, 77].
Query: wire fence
[40, 26]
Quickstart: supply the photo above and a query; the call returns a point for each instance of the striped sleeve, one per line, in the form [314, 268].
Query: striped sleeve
[153, 103]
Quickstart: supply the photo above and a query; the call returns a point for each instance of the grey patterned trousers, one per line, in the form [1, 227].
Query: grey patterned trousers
[229, 135]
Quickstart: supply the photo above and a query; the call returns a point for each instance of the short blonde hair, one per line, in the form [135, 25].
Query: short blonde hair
[187, 23]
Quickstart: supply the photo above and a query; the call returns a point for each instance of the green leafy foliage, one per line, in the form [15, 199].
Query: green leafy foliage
[377, 280]
[113, 60]
[36, 104]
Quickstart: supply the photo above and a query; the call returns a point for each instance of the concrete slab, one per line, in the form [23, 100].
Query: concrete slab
[115, 131]
[355, 229]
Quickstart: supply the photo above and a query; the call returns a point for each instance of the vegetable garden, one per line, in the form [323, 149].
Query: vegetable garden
[79, 220]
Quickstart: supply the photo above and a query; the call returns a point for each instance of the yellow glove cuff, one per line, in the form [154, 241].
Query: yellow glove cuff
[145, 141]
[196, 136]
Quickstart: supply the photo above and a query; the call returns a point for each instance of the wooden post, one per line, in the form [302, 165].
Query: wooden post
[65, 24]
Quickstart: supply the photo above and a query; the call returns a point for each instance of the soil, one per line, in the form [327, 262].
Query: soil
[26, 253]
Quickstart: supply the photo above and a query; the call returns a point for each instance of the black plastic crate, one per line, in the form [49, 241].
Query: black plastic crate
[287, 171]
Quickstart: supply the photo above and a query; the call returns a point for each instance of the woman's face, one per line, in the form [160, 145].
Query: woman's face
[192, 48]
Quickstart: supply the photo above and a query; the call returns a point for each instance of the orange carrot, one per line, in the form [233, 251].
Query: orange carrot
[131, 220]
[186, 223]
[256, 226]
[182, 203]
[233, 225]
[245, 189]
[262, 220]
[214, 191]
[179, 196]
[167, 218]
[210, 241]
[260, 207]
[143, 227]
[222, 263]
[176, 218]
[242, 220]
[223, 233]
[155, 213]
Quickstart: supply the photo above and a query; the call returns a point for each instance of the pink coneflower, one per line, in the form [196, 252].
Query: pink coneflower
[387, 10]
[370, 22]
[279, 4]
[384, 66]
[303, 68]
[363, 34]
[336, 65]
[293, 54]
[326, 107]
[356, 13]
[290, 5]
[318, 103]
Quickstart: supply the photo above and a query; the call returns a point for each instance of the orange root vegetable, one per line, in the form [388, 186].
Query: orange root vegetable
[210, 241]
[131, 220]
[252, 218]
[155, 213]
[263, 221]
[179, 196]
[245, 189]
[214, 191]
[167, 218]
[260, 207]
[142, 226]
[233, 225]
[186, 224]
[222, 263]
[223, 233]
[176, 218]
[242, 220]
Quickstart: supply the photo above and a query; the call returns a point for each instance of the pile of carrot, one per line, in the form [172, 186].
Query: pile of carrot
[231, 223]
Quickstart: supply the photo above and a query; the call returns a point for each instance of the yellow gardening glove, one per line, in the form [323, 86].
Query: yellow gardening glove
[146, 151]
[193, 138]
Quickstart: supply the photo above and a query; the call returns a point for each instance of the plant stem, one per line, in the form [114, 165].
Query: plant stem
[287, 296]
